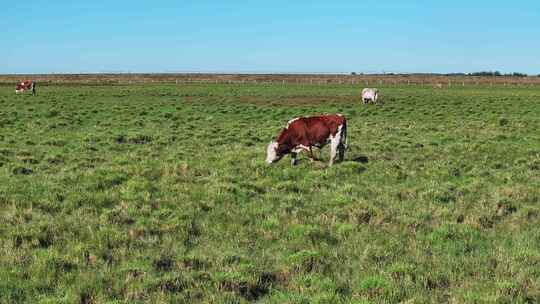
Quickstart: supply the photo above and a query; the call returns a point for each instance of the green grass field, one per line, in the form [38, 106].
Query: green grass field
[158, 193]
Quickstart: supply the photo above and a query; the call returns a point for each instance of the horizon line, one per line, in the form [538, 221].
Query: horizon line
[225, 72]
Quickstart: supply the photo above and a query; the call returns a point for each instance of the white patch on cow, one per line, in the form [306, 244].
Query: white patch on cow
[300, 148]
[291, 121]
[271, 152]
[335, 142]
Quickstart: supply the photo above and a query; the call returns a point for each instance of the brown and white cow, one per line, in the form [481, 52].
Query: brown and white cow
[26, 85]
[304, 133]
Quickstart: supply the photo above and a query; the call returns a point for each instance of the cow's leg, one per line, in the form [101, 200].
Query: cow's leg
[294, 158]
[338, 144]
[311, 155]
[334, 146]
[342, 142]
[333, 150]
[341, 152]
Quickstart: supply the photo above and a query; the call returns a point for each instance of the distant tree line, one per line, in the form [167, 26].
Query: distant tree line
[489, 73]
[482, 73]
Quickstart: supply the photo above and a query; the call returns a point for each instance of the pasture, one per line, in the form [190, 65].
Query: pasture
[160, 193]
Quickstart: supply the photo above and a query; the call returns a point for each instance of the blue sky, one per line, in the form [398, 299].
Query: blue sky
[271, 36]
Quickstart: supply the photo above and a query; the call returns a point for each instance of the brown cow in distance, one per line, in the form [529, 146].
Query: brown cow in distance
[25, 86]
[304, 133]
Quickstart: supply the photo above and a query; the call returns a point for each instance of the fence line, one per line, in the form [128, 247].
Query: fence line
[323, 82]
[294, 81]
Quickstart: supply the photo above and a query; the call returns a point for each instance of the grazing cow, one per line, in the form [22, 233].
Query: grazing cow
[303, 133]
[26, 85]
[438, 86]
[370, 95]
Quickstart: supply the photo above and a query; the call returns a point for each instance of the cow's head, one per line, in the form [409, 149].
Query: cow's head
[273, 154]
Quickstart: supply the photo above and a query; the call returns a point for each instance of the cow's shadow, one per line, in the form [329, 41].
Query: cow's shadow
[361, 159]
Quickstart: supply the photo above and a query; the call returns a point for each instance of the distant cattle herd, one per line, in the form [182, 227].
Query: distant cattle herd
[300, 134]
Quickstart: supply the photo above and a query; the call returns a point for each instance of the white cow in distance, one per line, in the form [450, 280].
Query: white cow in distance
[370, 95]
